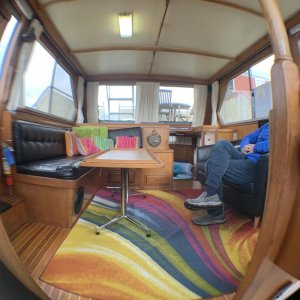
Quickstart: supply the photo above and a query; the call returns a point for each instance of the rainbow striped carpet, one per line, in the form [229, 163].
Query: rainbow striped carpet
[179, 260]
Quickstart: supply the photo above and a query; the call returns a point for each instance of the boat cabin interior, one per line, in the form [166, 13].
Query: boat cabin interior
[109, 111]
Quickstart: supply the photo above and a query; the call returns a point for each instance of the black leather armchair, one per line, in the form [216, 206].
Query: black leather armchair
[248, 199]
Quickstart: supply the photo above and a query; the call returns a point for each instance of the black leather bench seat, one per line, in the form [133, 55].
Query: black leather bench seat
[57, 167]
[40, 151]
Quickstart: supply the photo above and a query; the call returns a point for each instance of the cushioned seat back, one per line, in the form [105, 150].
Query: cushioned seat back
[34, 142]
[130, 131]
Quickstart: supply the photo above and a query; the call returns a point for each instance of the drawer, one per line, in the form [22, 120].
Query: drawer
[157, 180]
[115, 176]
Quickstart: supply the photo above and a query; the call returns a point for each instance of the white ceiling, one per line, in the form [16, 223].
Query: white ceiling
[88, 26]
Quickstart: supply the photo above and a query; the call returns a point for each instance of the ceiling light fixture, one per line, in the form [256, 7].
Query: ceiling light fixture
[125, 24]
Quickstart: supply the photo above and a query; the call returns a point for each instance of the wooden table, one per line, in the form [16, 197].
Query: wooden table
[124, 159]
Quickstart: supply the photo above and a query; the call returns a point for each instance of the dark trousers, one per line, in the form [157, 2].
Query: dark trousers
[228, 163]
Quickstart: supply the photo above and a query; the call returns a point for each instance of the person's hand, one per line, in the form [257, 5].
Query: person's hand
[248, 148]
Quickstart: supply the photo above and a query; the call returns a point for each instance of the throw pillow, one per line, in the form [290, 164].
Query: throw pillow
[85, 146]
[103, 143]
[127, 142]
[71, 148]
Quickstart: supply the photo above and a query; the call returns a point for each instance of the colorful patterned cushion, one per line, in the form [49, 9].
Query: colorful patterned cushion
[91, 131]
[71, 148]
[85, 146]
[103, 143]
[127, 142]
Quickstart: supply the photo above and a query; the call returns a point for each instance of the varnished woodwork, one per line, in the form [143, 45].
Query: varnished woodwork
[155, 49]
[163, 132]
[129, 78]
[243, 129]
[225, 134]
[183, 153]
[283, 180]
[161, 178]
[15, 216]
[35, 244]
[236, 6]
[56, 38]
[12, 261]
[51, 200]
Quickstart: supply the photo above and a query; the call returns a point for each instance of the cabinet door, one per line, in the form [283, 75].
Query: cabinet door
[161, 178]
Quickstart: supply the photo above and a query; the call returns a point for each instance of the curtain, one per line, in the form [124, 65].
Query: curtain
[17, 91]
[147, 102]
[214, 102]
[80, 96]
[199, 107]
[92, 102]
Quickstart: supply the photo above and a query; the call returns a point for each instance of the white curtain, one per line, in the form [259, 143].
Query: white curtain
[17, 91]
[80, 96]
[92, 102]
[147, 102]
[214, 102]
[199, 107]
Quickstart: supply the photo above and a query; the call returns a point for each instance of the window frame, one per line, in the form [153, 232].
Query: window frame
[52, 50]
[244, 66]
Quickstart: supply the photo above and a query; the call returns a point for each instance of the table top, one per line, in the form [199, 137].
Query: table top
[123, 158]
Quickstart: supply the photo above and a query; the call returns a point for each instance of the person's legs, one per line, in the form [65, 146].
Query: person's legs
[217, 164]
[239, 171]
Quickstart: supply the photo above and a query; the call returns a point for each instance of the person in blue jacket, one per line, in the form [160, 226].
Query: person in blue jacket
[235, 165]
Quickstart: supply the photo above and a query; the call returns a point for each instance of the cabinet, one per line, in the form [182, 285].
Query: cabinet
[161, 178]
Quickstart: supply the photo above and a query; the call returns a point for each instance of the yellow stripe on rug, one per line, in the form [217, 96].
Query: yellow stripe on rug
[84, 265]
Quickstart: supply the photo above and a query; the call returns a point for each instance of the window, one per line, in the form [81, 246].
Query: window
[180, 107]
[117, 102]
[5, 40]
[249, 95]
[47, 85]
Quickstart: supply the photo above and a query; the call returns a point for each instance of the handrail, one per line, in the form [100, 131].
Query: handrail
[283, 171]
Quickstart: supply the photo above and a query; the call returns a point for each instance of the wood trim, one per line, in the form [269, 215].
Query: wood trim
[56, 2]
[236, 6]
[165, 79]
[154, 48]
[251, 54]
[159, 33]
[30, 115]
[56, 38]
[11, 260]
[284, 159]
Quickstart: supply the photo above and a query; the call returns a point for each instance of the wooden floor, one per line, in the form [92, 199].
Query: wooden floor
[36, 243]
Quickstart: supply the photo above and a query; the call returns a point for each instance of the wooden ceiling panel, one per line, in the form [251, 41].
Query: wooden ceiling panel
[110, 62]
[178, 64]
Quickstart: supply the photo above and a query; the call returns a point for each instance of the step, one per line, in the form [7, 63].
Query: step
[14, 213]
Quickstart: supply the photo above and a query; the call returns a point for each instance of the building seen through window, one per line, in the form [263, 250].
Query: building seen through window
[249, 95]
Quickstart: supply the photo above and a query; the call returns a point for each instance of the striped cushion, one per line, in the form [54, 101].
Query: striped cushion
[71, 148]
[127, 142]
[85, 146]
[103, 143]
[91, 131]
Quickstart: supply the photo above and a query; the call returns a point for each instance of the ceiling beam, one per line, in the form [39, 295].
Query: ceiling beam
[55, 2]
[154, 48]
[159, 33]
[144, 77]
[236, 6]
[56, 38]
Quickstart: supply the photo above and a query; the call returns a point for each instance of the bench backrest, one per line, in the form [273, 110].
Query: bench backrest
[34, 142]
